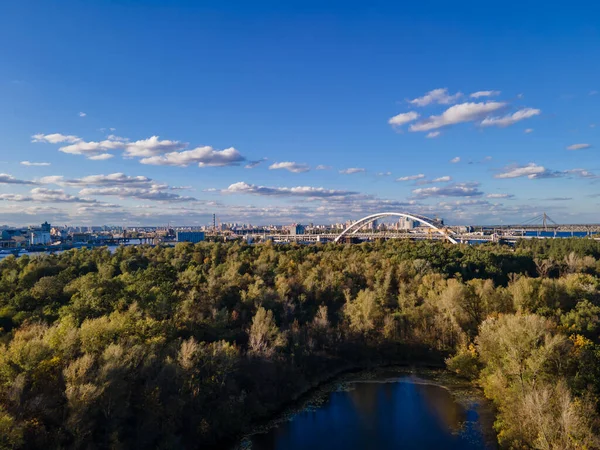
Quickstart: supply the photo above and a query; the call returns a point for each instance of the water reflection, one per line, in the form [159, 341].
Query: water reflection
[407, 413]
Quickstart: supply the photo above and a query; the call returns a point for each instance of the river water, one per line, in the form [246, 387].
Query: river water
[402, 412]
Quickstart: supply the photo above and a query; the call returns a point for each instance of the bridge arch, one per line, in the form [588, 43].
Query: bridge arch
[431, 223]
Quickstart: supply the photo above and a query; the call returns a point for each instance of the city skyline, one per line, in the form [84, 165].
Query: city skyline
[138, 113]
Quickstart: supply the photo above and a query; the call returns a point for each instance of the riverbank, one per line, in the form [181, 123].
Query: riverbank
[427, 377]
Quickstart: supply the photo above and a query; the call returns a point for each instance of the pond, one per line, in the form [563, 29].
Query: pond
[387, 412]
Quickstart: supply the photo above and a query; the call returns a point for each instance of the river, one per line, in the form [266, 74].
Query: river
[390, 411]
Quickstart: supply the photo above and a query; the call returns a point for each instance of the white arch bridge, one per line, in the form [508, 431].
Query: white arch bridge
[435, 225]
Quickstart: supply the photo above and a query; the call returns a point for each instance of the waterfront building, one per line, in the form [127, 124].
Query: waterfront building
[296, 229]
[40, 238]
[406, 223]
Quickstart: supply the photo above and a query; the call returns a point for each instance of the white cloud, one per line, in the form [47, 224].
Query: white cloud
[112, 137]
[403, 118]
[82, 114]
[464, 112]
[454, 190]
[443, 179]
[455, 160]
[56, 196]
[29, 163]
[528, 130]
[433, 134]
[54, 138]
[153, 150]
[291, 166]
[298, 191]
[578, 146]
[137, 193]
[479, 94]
[510, 119]
[9, 179]
[384, 174]
[153, 146]
[411, 177]
[352, 170]
[322, 167]
[101, 157]
[91, 148]
[531, 171]
[111, 180]
[439, 96]
[594, 92]
[580, 173]
[203, 156]
[500, 196]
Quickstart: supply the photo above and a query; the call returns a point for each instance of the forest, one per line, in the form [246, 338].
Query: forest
[189, 346]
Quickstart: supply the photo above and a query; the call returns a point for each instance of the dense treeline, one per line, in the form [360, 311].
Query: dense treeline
[184, 347]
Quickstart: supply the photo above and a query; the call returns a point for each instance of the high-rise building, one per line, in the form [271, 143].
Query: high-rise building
[296, 229]
[405, 223]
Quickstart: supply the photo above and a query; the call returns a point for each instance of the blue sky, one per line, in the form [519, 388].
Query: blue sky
[148, 112]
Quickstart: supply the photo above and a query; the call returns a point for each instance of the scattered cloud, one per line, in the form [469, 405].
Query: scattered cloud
[531, 171]
[403, 118]
[528, 130]
[464, 112]
[510, 119]
[91, 148]
[203, 156]
[15, 198]
[580, 173]
[291, 166]
[578, 146]
[101, 157]
[54, 138]
[29, 163]
[298, 191]
[9, 179]
[433, 134]
[253, 164]
[443, 179]
[352, 170]
[455, 160]
[111, 180]
[411, 177]
[594, 92]
[384, 174]
[439, 96]
[479, 94]
[82, 114]
[323, 167]
[153, 146]
[137, 193]
[57, 196]
[454, 190]
[500, 196]
[153, 150]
